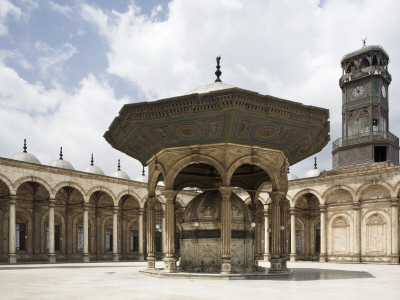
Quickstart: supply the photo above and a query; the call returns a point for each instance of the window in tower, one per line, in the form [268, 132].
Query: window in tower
[379, 153]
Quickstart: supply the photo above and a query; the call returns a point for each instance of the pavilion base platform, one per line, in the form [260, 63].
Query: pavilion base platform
[261, 274]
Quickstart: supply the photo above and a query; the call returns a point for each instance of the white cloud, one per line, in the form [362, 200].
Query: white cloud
[289, 49]
[63, 9]
[7, 9]
[53, 59]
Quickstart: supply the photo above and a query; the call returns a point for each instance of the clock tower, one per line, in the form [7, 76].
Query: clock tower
[365, 110]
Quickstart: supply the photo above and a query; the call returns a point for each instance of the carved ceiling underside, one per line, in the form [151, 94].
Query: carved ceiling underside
[227, 116]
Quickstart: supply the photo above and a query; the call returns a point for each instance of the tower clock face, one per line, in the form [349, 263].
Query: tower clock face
[358, 91]
[383, 88]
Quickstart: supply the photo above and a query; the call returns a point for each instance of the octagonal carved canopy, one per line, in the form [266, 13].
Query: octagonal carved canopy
[231, 115]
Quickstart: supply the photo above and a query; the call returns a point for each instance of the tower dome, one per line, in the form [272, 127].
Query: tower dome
[93, 169]
[61, 163]
[120, 174]
[313, 172]
[25, 156]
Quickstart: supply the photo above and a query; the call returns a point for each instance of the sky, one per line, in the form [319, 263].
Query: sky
[67, 67]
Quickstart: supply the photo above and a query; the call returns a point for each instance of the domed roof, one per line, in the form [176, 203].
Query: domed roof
[206, 207]
[93, 169]
[25, 156]
[142, 178]
[313, 172]
[61, 163]
[291, 176]
[215, 86]
[365, 49]
[120, 174]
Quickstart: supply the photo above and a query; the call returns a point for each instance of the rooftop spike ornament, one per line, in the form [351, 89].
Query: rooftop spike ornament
[315, 163]
[61, 155]
[92, 161]
[25, 146]
[218, 72]
[364, 41]
[143, 173]
[119, 165]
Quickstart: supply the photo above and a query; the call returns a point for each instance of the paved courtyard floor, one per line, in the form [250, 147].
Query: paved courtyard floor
[108, 280]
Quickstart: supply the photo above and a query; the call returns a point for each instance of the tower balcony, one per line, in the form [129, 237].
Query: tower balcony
[374, 136]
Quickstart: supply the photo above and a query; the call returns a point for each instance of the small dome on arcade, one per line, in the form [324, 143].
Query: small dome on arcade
[291, 176]
[25, 156]
[93, 169]
[313, 172]
[142, 178]
[61, 163]
[120, 174]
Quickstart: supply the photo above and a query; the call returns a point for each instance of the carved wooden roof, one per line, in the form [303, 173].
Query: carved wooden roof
[225, 116]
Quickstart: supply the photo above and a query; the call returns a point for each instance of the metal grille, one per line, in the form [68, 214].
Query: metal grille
[80, 239]
[134, 241]
[298, 241]
[20, 236]
[47, 238]
[108, 240]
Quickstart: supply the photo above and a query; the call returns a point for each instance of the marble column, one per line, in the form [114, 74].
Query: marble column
[293, 252]
[141, 234]
[163, 234]
[150, 232]
[85, 255]
[322, 255]
[12, 256]
[278, 263]
[115, 234]
[170, 255]
[395, 232]
[226, 230]
[357, 233]
[267, 254]
[52, 255]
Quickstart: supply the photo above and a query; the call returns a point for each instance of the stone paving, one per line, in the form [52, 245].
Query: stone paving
[109, 280]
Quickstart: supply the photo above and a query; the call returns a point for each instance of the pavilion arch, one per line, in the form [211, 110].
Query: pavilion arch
[34, 179]
[154, 175]
[193, 160]
[397, 190]
[7, 183]
[307, 191]
[256, 161]
[195, 184]
[68, 184]
[341, 192]
[129, 193]
[104, 190]
[381, 190]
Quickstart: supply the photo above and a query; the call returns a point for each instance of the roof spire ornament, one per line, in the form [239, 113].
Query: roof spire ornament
[92, 161]
[25, 146]
[364, 41]
[218, 72]
[119, 165]
[315, 163]
[61, 155]
[143, 173]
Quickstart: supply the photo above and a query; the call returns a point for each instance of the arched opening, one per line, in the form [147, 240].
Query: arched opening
[308, 235]
[32, 204]
[130, 228]
[100, 213]
[68, 239]
[4, 207]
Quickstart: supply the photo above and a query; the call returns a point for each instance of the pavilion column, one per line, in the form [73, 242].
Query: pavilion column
[226, 230]
[141, 234]
[163, 234]
[115, 234]
[293, 253]
[170, 255]
[150, 232]
[12, 256]
[85, 255]
[52, 255]
[278, 263]
[395, 232]
[284, 232]
[267, 254]
[357, 233]
[322, 256]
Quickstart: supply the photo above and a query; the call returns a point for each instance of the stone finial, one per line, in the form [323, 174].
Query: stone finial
[143, 173]
[288, 170]
[92, 161]
[315, 162]
[61, 155]
[364, 42]
[119, 165]
[25, 146]
[218, 72]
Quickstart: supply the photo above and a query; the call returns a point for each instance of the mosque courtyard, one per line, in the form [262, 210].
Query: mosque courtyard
[122, 280]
